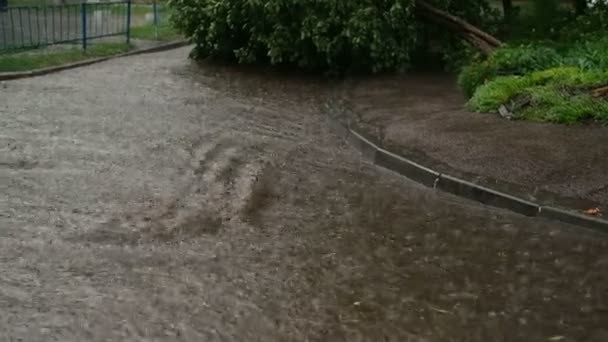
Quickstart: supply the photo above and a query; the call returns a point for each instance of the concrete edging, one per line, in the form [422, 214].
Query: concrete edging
[7, 76]
[459, 187]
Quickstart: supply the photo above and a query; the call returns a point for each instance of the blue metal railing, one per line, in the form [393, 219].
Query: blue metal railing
[36, 26]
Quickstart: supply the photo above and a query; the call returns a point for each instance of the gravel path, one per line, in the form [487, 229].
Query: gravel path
[152, 199]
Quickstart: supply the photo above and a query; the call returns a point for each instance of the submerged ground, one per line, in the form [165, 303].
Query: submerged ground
[149, 198]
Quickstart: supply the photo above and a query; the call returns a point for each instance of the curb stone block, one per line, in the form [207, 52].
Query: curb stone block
[486, 196]
[340, 130]
[458, 187]
[574, 218]
[404, 167]
[367, 149]
[6, 76]
[367, 136]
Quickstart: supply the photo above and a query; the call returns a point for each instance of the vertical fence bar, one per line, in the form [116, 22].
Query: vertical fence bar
[46, 24]
[76, 20]
[4, 29]
[68, 21]
[21, 27]
[29, 25]
[53, 36]
[84, 26]
[155, 10]
[38, 38]
[128, 21]
[12, 26]
[4, 39]
[104, 15]
[60, 23]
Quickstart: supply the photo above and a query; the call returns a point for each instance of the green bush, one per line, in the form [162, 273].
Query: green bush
[558, 95]
[334, 34]
[474, 75]
[593, 23]
[499, 91]
[538, 20]
[590, 54]
[353, 35]
[552, 105]
[510, 60]
[444, 45]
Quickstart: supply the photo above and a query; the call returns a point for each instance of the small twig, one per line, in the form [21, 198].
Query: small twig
[445, 312]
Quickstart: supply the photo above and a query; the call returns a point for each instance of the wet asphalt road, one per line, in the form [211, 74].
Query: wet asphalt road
[151, 199]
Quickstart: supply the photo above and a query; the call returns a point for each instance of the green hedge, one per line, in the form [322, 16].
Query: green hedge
[340, 35]
[559, 95]
[547, 82]
[507, 60]
[334, 34]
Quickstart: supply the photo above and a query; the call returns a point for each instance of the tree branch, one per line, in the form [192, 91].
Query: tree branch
[483, 41]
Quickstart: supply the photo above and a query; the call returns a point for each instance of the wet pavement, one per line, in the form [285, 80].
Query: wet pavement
[423, 116]
[152, 199]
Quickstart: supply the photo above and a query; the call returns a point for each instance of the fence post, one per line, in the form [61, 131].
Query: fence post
[155, 10]
[128, 21]
[84, 26]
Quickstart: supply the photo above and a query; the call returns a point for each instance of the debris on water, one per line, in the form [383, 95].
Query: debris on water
[593, 212]
[445, 312]
[505, 112]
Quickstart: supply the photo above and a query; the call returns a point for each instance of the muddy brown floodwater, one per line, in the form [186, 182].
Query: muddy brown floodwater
[151, 199]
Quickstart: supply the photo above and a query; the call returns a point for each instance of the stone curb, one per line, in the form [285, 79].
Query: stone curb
[456, 186]
[45, 71]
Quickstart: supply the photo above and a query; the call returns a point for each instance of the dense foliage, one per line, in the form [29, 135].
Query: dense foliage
[354, 34]
[550, 83]
[559, 95]
[331, 34]
[548, 73]
[556, 49]
[509, 60]
[593, 23]
[443, 47]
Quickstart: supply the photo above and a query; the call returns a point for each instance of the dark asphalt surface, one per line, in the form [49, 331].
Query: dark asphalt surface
[423, 117]
[152, 199]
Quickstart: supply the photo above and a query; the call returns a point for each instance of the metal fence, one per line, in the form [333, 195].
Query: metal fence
[36, 26]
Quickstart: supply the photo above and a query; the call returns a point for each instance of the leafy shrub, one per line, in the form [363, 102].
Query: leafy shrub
[551, 104]
[548, 16]
[334, 34]
[559, 95]
[474, 75]
[330, 34]
[493, 94]
[589, 54]
[591, 24]
[525, 58]
[513, 60]
[539, 20]
[448, 47]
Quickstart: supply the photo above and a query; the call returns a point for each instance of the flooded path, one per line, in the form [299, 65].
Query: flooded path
[151, 199]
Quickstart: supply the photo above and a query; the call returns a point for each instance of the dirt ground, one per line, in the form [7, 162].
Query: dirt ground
[423, 117]
[152, 199]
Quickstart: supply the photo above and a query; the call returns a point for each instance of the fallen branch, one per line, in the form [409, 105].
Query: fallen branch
[600, 92]
[483, 41]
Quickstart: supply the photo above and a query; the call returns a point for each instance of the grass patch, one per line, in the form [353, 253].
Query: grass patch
[148, 32]
[41, 58]
[17, 3]
[136, 9]
[542, 81]
[560, 95]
